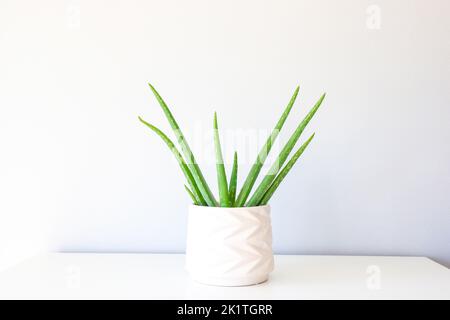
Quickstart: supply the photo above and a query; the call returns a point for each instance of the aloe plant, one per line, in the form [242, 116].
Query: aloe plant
[191, 194]
[265, 184]
[233, 180]
[197, 195]
[197, 187]
[221, 175]
[195, 169]
[270, 191]
[256, 168]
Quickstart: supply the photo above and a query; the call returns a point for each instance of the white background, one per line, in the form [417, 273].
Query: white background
[79, 173]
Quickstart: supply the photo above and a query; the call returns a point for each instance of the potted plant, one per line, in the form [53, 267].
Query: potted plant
[229, 240]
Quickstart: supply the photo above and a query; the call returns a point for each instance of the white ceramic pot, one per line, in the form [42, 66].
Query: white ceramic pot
[229, 246]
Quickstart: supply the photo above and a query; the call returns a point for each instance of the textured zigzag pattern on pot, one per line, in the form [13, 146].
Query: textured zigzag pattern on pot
[229, 246]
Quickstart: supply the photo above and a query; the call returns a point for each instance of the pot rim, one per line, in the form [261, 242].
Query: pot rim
[228, 208]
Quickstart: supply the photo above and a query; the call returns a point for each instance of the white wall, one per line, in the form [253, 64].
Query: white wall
[78, 172]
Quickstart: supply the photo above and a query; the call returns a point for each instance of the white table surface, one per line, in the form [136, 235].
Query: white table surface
[162, 276]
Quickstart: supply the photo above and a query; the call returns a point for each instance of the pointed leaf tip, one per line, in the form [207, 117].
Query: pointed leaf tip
[153, 89]
[215, 120]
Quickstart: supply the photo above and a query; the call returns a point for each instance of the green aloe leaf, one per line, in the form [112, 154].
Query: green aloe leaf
[270, 176]
[233, 180]
[221, 175]
[193, 166]
[190, 179]
[256, 168]
[284, 172]
[194, 200]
